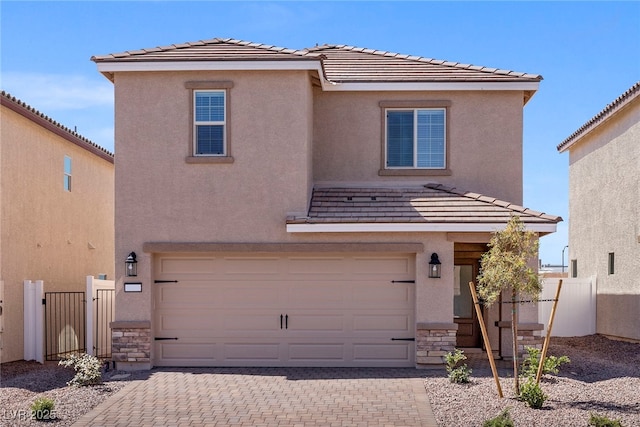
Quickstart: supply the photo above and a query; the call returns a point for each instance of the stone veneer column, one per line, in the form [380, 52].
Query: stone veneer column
[528, 335]
[433, 341]
[131, 345]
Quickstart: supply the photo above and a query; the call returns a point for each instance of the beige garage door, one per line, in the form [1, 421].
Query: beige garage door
[285, 310]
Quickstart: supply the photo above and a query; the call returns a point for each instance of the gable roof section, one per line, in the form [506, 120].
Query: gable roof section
[352, 64]
[51, 125]
[433, 207]
[339, 67]
[609, 111]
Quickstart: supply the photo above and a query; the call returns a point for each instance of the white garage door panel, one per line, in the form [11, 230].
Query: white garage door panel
[267, 351]
[186, 351]
[381, 266]
[398, 353]
[187, 266]
[317, 352]
[391, 323]
[338, 310]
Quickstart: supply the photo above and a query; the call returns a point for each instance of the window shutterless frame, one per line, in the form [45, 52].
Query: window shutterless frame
[209, 123]
[67, 173]
[214, 121]
[415, 138]
[420, 129]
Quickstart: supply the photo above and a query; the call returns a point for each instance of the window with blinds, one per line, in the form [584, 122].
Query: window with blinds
[209, 123]
[415, 138]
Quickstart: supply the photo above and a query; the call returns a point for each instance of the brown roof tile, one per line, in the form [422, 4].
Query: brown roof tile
[620, 102]
[432, 203]
[341, 63]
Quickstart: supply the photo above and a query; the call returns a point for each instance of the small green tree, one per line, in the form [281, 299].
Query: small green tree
[505, 267]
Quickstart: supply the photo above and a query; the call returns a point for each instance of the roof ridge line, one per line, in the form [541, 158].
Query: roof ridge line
[609, 109]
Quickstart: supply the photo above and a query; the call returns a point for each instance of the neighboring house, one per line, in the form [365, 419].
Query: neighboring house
[284, 205]
[604, 212]
[56, 212]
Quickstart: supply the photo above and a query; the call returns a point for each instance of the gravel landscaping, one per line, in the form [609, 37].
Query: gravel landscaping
[602, 378]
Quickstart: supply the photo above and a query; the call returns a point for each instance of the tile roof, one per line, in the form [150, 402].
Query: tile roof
[433, 203]
[352, 64]
[207, 50]
[340, 63]
[41, 119]
[608, 111]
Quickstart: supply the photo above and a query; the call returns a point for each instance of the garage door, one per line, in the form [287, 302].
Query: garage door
[285, 310]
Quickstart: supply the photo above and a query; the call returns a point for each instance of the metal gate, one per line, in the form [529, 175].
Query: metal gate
[64, 324]
[104, 305]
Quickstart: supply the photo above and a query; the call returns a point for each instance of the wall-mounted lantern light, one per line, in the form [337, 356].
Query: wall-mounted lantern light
[131, 265]
[434, 266]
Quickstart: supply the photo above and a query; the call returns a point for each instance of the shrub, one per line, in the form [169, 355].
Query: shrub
[457, 374]
[603, 421]
[42, 409]
[87, 367]
[502, 420]
[531, 393]
[532, 361]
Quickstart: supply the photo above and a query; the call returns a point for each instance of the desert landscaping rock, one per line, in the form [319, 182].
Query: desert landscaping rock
[603, 377]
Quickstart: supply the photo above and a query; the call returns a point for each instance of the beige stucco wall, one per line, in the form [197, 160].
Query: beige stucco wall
[46, 232]
[304, 136]
[484, 138]
[604, 217]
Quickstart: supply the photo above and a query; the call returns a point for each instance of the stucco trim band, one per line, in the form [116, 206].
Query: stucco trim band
[410, 227]
[159, 247]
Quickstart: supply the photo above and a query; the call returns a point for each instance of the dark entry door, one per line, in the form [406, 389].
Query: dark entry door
[468, 334]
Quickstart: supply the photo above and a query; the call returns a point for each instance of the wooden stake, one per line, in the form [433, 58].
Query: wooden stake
[545, 346]
[483, 328]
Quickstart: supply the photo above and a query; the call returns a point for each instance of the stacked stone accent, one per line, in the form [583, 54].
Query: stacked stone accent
[528, 335]
[433, 341]
[131, 342]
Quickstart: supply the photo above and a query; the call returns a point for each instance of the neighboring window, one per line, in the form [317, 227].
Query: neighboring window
[67, 173]
[415, 138]
[209, 123]
[611, 262]
[574, 268]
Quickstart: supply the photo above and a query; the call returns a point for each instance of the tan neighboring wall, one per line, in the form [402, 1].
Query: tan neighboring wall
[48, 233]
[604, 209]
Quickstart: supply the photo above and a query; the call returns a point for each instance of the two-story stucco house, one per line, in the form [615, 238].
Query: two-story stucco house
[56, 212]
[284, 205]
[604, 212]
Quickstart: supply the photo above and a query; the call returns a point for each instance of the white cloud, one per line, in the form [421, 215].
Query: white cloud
[50, 92]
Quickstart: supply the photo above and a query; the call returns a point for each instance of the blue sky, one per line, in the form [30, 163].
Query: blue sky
[587, 52]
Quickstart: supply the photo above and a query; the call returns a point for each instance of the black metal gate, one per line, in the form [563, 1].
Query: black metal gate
[104, 305]
[64, 324]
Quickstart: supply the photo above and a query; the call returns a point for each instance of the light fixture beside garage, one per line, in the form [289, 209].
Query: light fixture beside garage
[131, 265]
[434, 267]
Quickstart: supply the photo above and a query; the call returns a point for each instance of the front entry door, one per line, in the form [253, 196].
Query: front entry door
[468, 334]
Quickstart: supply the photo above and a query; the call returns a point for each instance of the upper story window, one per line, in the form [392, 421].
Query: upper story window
[209, 123]
[415, 138]
[67, 173]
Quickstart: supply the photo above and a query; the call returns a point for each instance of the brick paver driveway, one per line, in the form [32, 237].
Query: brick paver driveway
[269, 397]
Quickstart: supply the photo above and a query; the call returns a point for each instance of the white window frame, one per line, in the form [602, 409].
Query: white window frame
[197, 123]
[67, 173]
[415, 139]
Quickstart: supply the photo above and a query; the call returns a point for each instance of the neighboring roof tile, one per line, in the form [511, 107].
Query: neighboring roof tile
[41, 119]
[341, 63]
[351, 64]
[432, 203]
[608, 111]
